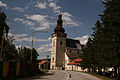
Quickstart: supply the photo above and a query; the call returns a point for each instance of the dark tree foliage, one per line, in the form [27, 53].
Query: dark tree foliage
[104, 47]
[3, 25]
[111, 23]
[9, 52]
[92, 55]
[25, 53]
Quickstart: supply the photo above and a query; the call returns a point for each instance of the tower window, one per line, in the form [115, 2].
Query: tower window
[60, 42]
[53, 58]
[53, 43]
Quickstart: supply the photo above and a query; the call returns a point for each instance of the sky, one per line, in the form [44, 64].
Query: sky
[27, 16]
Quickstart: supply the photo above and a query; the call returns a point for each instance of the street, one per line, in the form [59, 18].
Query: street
[62, 75]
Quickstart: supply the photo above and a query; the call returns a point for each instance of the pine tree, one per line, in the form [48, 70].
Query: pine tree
[111, 23]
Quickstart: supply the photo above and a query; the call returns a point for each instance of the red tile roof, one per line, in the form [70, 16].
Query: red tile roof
[42, 62]
[75, 61]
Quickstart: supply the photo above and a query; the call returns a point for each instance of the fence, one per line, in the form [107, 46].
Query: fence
[13, 69]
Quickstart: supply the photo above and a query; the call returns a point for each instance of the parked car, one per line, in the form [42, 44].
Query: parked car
[101, 73]
[110, 74]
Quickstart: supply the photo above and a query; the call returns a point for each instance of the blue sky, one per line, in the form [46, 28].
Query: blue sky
[26, 16]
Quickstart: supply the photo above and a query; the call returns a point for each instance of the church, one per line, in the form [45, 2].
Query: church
[66, 53]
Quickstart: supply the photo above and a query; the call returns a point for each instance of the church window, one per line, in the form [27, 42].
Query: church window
[60, 42]
[53, 58]
[53, 43]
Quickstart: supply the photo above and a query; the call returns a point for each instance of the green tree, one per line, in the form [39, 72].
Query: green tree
[25, 53]
[111, 23]
[3, 25]
[9, 51]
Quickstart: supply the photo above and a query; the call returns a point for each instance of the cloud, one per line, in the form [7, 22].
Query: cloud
[27, 22]
[21, 35]
[54, 7]
[50, 0]
[18, 9]
[3, 4]
[44, 48]
[41, 19]
[68, 21]
[24, 37]
[83, 40]
[37, 17]
[41, 5]
[29, 39]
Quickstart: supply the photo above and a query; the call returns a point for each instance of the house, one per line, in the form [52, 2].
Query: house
[64, 50]
[44, 64]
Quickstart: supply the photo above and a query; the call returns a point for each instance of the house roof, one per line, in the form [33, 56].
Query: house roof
[75, 61]
[72, 43]
[42, 62]
[73, 56]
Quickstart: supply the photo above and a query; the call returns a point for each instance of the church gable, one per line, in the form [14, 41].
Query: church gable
[73, 49]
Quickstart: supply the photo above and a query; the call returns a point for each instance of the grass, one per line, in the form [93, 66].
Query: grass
[99, 76]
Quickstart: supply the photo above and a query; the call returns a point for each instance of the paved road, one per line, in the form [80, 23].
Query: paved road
[63, 75]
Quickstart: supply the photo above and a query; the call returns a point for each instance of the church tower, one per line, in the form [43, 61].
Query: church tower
[58, 45]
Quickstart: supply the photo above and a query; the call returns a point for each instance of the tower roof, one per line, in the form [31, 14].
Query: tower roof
[59, 27]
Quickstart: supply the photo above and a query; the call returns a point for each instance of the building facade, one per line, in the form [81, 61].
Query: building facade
[64, 50]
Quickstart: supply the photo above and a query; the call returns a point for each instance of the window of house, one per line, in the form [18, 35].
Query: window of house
[60, 42]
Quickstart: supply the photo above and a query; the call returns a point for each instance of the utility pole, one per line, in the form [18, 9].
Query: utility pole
[47, 62]
[32, 47]
[32, 43]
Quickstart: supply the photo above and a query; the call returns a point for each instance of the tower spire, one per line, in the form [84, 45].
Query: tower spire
[59, 27]
[60, 12]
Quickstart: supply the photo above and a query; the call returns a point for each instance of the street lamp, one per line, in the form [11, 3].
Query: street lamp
[32, 42]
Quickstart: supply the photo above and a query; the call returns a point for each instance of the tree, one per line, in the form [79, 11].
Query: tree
[25, 53]
[92, 55]
[3, 25]
[111, 23]
[9, 52]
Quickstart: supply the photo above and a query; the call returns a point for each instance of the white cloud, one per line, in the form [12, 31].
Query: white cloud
[41, 5]
[18, 9]
[55, 7]
[36, 17]
[50, 0]
[41, 28]
[68, 21]
[24, 37]
[49, 38]
[41, 19]
[83, 39]
[27, 22]
[21, 35]
[3, 4]
[44, 48]
[29, 39]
